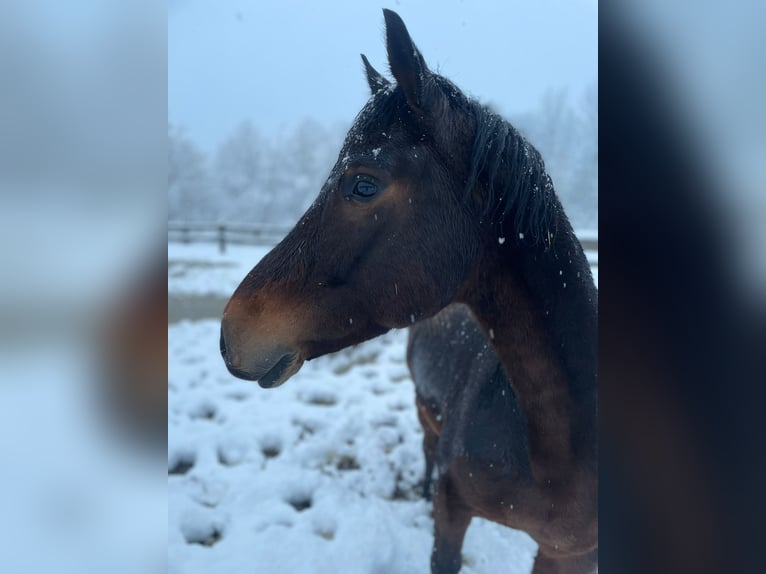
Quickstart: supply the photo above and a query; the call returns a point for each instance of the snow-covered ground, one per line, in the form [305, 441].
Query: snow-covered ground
[321, 475]
[200, 269]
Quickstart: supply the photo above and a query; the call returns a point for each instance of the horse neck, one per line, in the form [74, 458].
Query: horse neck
[536, 302]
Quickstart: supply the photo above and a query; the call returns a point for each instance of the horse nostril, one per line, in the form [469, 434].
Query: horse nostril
[222, 345]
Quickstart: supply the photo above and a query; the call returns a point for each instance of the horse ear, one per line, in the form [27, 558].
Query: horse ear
[374, 78]
[407, 64]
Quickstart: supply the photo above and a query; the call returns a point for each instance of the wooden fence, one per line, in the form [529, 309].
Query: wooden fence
[224, 234]
[267, 234]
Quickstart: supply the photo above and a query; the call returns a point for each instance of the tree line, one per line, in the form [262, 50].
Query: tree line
[253, 179]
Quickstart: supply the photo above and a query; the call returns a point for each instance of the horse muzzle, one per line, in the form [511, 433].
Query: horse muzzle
[270, 365]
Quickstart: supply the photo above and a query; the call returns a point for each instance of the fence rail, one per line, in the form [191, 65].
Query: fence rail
[266, 234]
[224, 234]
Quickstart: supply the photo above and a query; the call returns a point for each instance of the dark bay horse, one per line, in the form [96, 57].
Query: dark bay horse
[434, 200]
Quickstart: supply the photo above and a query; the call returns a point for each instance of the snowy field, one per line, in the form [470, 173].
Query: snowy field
[321, 475]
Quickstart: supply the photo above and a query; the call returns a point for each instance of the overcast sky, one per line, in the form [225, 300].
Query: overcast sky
[278, 62]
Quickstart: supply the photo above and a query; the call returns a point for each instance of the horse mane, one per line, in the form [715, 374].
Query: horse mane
[517, 197]
[518, 188]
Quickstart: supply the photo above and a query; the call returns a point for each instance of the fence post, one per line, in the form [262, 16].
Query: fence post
[184, 235]
[222, 238]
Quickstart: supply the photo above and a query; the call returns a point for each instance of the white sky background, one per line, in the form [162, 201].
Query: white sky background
[276, 63]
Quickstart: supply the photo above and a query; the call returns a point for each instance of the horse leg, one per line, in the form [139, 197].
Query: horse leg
[430, 440]
[579, 564]
[429, 450]
[451, 520]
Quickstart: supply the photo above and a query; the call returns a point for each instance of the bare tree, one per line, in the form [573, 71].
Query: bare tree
[586, 177]
[189, 189]
[239, 167]
[568, 141]
[309, 152]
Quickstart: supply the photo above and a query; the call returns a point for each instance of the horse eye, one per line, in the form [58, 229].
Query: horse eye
[364, 189]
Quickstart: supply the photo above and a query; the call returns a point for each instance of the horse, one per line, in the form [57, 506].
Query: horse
[435, 199]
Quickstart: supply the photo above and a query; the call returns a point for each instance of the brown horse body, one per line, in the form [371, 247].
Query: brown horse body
[435, 200]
